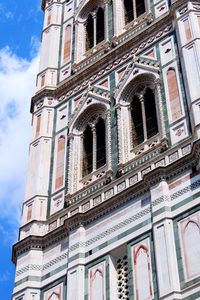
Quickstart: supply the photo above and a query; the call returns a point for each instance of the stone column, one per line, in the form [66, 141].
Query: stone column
[108, 139]
[94, 150]
[160, 109]
[106, 37]
[94, 15]
[141, 97]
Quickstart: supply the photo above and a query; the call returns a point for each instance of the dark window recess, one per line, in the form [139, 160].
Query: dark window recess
[133, 9]
[101, 143]
[140, 7]
[137, 125]
[87, 151]
[150, 111]
[89, 33]
[128, 10]
[100, 25]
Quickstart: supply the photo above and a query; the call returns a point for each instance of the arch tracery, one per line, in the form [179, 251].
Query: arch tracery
[91, 27]
[90, 145]
[138, 108]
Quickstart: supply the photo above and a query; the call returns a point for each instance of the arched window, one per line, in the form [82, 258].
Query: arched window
[133, 9]
[144, 119]
[94, 147]
[95, 28]
[59, 178]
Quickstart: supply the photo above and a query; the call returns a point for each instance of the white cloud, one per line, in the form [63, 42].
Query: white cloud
[5, 14]
[17, 86]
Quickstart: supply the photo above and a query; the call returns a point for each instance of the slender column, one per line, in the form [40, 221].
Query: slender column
[134, 10]
[119, 127]
[108, 139]
[94, 154]
[161, 113]
[70, 178]
[141, 97]
[106, 20]
[94, 15]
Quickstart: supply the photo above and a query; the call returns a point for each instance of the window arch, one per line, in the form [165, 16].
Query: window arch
[138, 107]
[91, 26]
[89, 145]
[133, 9]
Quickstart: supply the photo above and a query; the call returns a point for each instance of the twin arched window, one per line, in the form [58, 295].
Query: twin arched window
[95, 28]
[133, 9]
[94, 147]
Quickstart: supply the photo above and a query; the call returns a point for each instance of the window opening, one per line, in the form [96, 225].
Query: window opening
[89, 33]
[133, 9]
[95, 28]
[128, 8]
[87, 151]
[150, 111]
[101, 143]
[144, 118]
[136, 112]
[100, 25]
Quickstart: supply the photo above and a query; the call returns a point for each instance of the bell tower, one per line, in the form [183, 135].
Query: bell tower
[111, 209]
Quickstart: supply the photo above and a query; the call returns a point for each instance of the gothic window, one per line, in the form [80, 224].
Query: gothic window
[94, 147]
[95, 31]
[144, 119]
[59, 178]
[133, 9]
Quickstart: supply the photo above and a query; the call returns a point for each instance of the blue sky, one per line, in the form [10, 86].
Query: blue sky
[20, 31]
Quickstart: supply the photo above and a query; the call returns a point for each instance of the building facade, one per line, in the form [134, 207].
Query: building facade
[112, 202]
